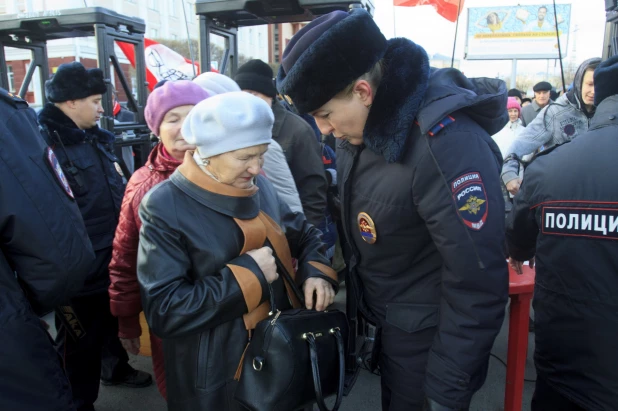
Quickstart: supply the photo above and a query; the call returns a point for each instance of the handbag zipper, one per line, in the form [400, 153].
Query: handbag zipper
[274, 320]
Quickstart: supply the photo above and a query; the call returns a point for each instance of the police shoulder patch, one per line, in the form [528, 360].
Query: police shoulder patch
[54, 164]
[470, 199]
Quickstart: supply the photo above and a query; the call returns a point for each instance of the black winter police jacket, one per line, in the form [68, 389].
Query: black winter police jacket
[88, 160]
[566, 214]
[424, 218]
[44, 246]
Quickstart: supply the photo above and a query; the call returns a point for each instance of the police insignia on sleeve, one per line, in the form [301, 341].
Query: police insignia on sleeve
[52, 160]
[367, 228]
[470, 199]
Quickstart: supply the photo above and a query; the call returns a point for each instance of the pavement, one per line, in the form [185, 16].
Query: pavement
[365, 396]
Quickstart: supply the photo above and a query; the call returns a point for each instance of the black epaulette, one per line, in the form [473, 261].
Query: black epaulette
[446, 121]
[12, 99]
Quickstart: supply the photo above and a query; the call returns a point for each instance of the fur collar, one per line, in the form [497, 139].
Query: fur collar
[54, 119]
[397, 99]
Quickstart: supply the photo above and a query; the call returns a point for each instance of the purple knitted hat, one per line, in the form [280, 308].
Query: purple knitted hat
[171, 95]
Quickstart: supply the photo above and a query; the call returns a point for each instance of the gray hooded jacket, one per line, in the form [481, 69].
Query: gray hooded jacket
[557, 123]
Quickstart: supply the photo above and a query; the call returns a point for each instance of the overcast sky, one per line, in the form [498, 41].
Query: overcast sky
[423, 25]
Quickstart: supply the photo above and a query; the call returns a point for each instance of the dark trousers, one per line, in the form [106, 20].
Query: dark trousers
[97, 355]
[546, 398]
[402, 363]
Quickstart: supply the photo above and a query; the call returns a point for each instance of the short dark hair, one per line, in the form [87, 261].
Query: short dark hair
[543, 7]
[373, 77]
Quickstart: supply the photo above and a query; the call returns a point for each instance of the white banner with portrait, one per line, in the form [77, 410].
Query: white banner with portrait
[517, 32]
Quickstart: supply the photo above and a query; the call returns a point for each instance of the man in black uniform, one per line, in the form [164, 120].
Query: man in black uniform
[86, 154]
[566, 216]
[422, 206]
[44, 248]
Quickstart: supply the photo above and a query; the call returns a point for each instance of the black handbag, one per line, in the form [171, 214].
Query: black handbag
[295, 358]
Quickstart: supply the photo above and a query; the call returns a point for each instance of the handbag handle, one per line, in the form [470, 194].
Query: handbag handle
[315, 369]
[286, 276]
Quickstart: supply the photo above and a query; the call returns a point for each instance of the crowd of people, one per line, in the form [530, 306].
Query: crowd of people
[409, 208]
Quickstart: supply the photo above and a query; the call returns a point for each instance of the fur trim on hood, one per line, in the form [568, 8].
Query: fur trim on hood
[410, 91]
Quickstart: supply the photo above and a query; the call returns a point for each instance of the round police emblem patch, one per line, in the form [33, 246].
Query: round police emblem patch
[569, 129]
[470, 200]
[367, 228]
[58, 172]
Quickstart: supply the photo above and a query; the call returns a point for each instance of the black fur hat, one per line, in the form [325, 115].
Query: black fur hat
[73, 82]
[606, 80]
[328, 54]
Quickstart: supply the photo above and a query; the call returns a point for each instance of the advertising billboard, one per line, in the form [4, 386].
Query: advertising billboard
[517, 32]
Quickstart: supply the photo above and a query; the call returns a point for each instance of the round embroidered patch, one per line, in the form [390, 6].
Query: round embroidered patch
[569, 130]
[367, 228]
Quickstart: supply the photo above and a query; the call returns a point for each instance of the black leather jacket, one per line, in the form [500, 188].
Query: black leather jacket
[196, 285]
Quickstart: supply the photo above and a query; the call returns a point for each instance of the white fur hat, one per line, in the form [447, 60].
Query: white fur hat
[228, 122]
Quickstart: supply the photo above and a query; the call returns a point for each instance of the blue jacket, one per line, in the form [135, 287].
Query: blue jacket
[89, 163]
[44, 258]
[423, 216]
[557, 123]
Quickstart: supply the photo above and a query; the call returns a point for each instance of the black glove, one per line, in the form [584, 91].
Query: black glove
[431, 405]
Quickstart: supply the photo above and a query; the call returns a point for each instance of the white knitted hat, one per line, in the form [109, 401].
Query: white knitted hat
[215, 83]
[228, 122]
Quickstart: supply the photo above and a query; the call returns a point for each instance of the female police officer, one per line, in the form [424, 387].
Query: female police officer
[422, 205]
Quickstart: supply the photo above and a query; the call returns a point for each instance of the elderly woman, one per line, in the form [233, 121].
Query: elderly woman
[166, 109]
[205, 265]
[275, 165]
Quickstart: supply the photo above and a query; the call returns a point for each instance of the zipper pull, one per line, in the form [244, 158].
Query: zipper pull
[274, 320]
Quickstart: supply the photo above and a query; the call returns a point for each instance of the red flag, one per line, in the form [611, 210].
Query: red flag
[446, 8]
[162, 63]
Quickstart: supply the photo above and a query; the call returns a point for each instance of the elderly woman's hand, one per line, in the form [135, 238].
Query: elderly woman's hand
[265, 260]
[324, 292]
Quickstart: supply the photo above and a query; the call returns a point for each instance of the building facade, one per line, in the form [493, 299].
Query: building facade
[165, 20]
[279, 36]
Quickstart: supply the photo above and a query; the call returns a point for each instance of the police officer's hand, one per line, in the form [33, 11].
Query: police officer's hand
[131, 345]
[265, 260]
[323, 290]
[518, 265]
[513, 186]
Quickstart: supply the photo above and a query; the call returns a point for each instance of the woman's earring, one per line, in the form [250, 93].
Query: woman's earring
[206, 162]
[369, 106]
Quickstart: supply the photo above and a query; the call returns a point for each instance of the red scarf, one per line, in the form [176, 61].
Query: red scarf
[166, 154]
